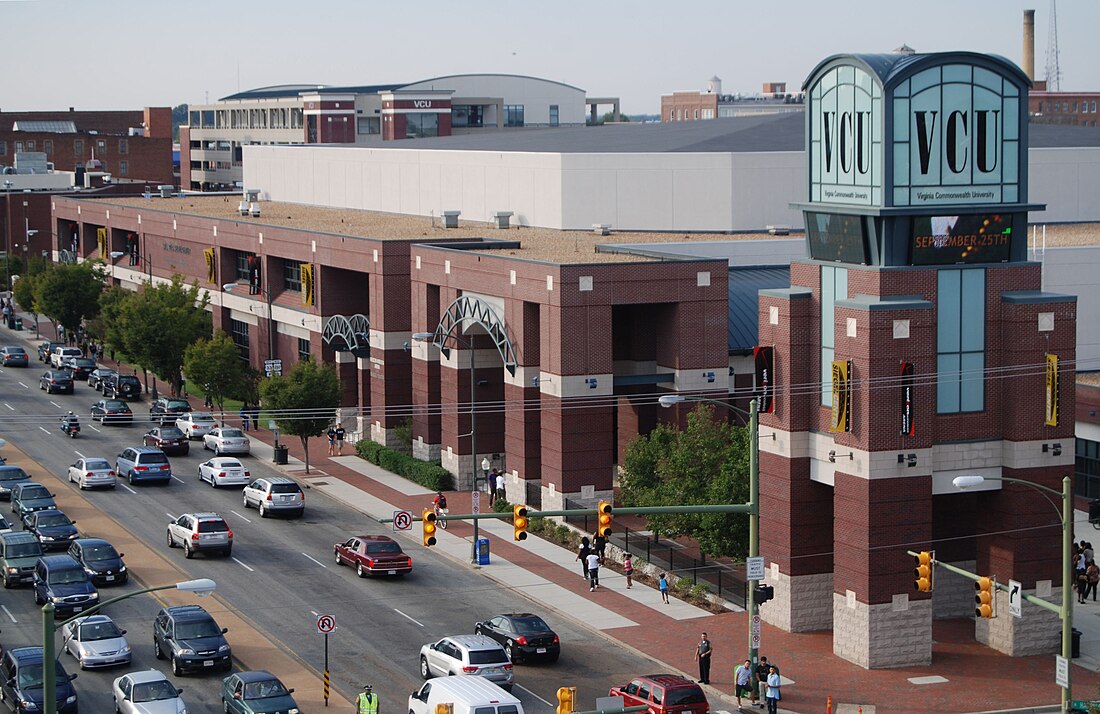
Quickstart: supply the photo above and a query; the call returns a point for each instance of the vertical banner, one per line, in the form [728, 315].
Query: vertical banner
[74, 242]
[101, 242]
[764, 358]
[1052, 390]
[254, 275]
[842, 396]
[908, 428]
[307, 283]
[132, 248]
[211, 265]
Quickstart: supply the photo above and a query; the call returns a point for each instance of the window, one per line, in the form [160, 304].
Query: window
[1094, 107]
[553, 115]
[241, 265]
[3, 148]
[367, 125]
[30, 146]
[303, 349]
[19, 147]
[101, 145]
[1075, 107]
[78, 148]
[466, 115]
[960, 341]
[239, 332]
[48, 144]
[123, 168]
[420, 125]
[123, 146]
[513, 115]
[1087, 469]
[834, 286]
[292, 275]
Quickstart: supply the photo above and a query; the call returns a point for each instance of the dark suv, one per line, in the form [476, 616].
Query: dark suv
[21, 677]
[122, 386]
[189, 636]
[61, 580]
[19, 551]
[166, 409]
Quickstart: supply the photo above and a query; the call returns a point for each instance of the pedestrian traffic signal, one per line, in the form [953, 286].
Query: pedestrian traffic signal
[428, 521]
[566, 697]
[762, 593]
[983, 598]
[603, 516]
[519, 522]
[923, 573]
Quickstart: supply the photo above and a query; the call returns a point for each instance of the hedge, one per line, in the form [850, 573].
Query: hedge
[426, 474]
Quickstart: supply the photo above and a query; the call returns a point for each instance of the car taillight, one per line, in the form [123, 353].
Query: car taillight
[521, 640]
[141, 468]
[469, 670]
[194, 536]
[110, 473]
[248, 474]
[556, 640]
[410, 562]
[268, 497]
[89, 475]
[370, 562]
[229, 534]
[508, 666]
[221, 475]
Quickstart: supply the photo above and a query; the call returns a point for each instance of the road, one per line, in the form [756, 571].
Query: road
[280, 576]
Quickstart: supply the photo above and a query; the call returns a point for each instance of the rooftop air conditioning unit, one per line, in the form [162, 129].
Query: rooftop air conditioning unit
[243, 208]
[252, 195]
[779, 230]
[166, 190]
[255, 208]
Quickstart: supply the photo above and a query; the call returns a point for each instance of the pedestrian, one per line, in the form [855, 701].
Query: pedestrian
[742, 683]
[662, 585]
[244, 416]
[340, 434]
[593, 571]
[367, 701]
[207, 402]
[582, 555]
[331, 434]
[254, 412]
[773, 695]
[599, 544]
[1093, 574]
[762, 670]
[491, 486]
[628, 570]
[703, 651]
[1079, 569]
[500, 485]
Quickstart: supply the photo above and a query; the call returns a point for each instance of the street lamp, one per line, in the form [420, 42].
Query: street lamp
[230, 287]
[753, 608]
[1066, 515]
[7, 238]
[116, 254]
[201, 587]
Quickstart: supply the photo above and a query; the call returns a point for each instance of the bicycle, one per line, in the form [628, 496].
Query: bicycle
[442, 523]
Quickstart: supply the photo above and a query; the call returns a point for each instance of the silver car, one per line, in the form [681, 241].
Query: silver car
[227, 440]
[476, 655]
[196, 425]
[93, 472]
[200, 532]
[148, 692]
[274, 494]
[224, 471]
[96, 641]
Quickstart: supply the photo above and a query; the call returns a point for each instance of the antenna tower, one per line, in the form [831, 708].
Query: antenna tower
[1054, 72]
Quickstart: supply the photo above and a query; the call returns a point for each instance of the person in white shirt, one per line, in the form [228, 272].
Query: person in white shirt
[593, 562]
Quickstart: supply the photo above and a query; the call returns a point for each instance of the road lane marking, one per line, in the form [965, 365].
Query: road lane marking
[239, 516]
[177, 479]
[315, 560]
[251, 570]
[8, 613]
[170, 516]
[127, 487]
[407, 617]
[93, 428]
[533, 694]
[44, 429]
[23, 386]
[79, 454]
[314, 613]
[9, 406]
[56, 404]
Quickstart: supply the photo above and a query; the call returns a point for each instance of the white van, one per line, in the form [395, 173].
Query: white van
[469, 695]
[60, 354]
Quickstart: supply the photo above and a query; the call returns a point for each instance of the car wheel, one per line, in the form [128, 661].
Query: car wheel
[552, 658]
[176, 668]
[244, 500]
[301, 512]
[117, 710]
[477, 630]
[336, 553]
[510, 651]
[217, 451]
[171, 542]
[188, 551]
[425, 672]
[263, 511]
[8, 585]
[359, 570]
[156, 649]
[225, 707]
[38, 598]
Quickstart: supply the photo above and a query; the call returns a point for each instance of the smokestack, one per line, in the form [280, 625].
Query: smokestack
[1029, 44]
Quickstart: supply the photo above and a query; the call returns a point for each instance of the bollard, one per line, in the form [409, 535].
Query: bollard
[829, 705]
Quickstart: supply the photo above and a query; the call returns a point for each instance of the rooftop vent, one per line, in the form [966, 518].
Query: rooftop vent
[601, 229]
[166, 190]
[252, 195]
[779, 230]
[500, 218]
[450, 218]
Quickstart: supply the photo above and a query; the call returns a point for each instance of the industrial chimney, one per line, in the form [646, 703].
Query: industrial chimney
[1029, 44]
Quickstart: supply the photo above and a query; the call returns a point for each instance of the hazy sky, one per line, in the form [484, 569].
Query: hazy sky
[127, 54]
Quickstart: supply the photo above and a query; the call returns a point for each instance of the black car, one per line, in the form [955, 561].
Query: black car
[52, 528]
[189, 636]
[79, 367]
[46, 349]
[524, 636]
[168, 439]
[95, 379]
[122, 386]
[166, 409]
[21, 677]
[100, 561]
[56, 380]
[113, 411]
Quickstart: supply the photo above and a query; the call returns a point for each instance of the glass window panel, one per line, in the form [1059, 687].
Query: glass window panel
[947, 384]
[972, 384]
[948, 296]
[827, 377]
[972, 311]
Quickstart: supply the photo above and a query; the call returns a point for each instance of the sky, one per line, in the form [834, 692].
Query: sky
[129, 54]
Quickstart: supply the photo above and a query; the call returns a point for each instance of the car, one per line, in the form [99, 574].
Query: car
[166, 409]
[5, 526]
[224, 471]
[55, 380]
[462, 695]
[52, 527]
[112, 411]
[196, 425]
[121, 386]
[373, 555]
[189, 637]
[14, 357]
[96, 641]
[61, 353]
[26, 498]
[100, 560]
[21, 682]
[61, 580]
[141, 463]
[19, 551]
[92, 472]
[148, 692]
[664, 694]
[45, 349]
[78, 367]
[226, 440]
[525, 636]
[467, 655]
[96, 377]
[274, 494]
[168, 439]
[200, 532]
[256, 692]
[9, 477]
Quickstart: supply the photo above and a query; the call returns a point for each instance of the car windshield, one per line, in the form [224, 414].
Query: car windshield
[153, 457]
[106, 372]
[153, 691]
[264, 689]
[191, 630]
[14, 351]
[67, 576]
[115, 404]
[232, 433]
[53, 519]
[95, 464]
[98, 553]
[171, 433]
[488, 656]
[685, 695]
[13, 473]
[529, 625]
[177, 404]
[30, 675]
[105, 630]
[24, 550]
[383, 548]
[229, 464]
[284, 488]
[34, 492]
[212, 527]
[129, 379]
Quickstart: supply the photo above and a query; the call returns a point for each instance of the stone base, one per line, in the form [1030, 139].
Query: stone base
[802, 603]
[383, 436]
[952, 596]
[897, 634]
[515, 488]
[554, 500]
[424, 451]
[1038, 632]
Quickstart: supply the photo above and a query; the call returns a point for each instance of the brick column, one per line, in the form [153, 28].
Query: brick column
[523, 416]
[454, 397]
[348, 374]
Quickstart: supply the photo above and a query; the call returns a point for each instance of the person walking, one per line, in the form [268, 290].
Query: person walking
[763, 668]
[331, 434]
[582, 555]
[340, 433]
[1093, 574]
[628, 570]
[593, 571]
[498, 483]
[703, 652]
[491, 486]
[599, 545]
[774, 684]
[244, 416]
[367, 701]
[662, 585]
[742, 683]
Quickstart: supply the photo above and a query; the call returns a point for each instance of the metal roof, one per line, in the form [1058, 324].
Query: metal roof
[745, 285]
[293, 90]
[54, 127]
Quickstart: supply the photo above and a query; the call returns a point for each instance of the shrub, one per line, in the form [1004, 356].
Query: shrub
[426, 474]
[700, 591]
[501, 505]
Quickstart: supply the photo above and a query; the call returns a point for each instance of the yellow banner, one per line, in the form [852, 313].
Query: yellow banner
[842, 395]
[101, 242]
[211, 265]
[308, 295]
[1052, 390]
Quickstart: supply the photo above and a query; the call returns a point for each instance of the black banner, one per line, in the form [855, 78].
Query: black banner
[132, 248]
[254, 275]
[764, 358]
[908, 427]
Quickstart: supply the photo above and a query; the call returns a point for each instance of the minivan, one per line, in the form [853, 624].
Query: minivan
[21, 681]
[61, 580]
[141, 463]
[469, 695]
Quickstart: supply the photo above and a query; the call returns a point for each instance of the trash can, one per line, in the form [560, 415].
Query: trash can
[1075, 644]
[282, 455]
[482, 551]
[18, 323]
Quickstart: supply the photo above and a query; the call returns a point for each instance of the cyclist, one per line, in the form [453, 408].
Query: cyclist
[440, 504]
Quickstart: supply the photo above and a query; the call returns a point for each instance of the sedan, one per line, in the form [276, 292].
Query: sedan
[10, 477]
[196, 424]
[95, 379]
[14, 357]
[524, 636]
[56, 380]
[92, 472]
[5, 527]
[100, 561]
[148, 692]
[78, 367]
[224, 471]
[256, 692]
[112, 411]
[96, 641]
[373, 555]
[168, 439]
[52, 528]
[226, 440]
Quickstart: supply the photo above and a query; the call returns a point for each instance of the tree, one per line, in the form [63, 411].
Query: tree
[107, 326]
[304, 401]
[706, 463]
[216, 366]
[68, 293]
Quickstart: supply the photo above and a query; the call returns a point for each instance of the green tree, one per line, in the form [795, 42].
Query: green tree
[706, 463]
[107, 326]
[216, 366]
[303, 402]
[69, 293]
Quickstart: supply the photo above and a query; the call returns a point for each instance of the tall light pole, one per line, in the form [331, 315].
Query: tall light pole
[751, 605]
[7, 238]
[229, 287]
[201, 587]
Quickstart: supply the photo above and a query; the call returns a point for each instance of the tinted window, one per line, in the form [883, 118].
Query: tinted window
[100, 552]
[13, 474]
[34, 492]
[285, 488]
[53, 519]
[264, 689]
[643, 691]
[687, 695]
[483, 710]
[230, 464]
[99, 631]
[82, 362]
[114, 404]
[177, 404]
[23, 550]
[66, 576]
[129, 379]
[212, 527]
[153, 691]
[383, 548]
[508, 709]
[97, 464]
[188, 630]
[488, 657]
[529, 625]
[154, 458]
[171, 433]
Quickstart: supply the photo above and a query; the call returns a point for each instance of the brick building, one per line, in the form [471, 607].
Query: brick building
[1069, 108]
[712, 104]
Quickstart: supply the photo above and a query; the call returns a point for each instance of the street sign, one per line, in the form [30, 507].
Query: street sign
[402, 520]
[1061, 671]
[273, 367]
[754, 626]
[1015, 598]
[326, 624]
[754, 568]
[475, 502]
[756, 641]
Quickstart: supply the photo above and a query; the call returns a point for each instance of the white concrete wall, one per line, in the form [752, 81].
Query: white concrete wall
[535, 94]
[1066, 180]
[1074, 271]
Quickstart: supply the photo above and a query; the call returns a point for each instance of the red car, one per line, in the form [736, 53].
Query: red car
[664, 694]
[168, 439]
[373, 555]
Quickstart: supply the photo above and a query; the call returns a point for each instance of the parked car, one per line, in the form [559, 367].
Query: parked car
[92, 472]
[9, 477]
[275, 494]
[148, 692]
[95, 379]
[191, 639]
[79, 367]
[5, 526]
[121, 386]
[14, 357]
[21, 682]
[196, 425]
[525, 636]
[196, 532]
[53, 529]
[96, 641]
[18, 554]
[61, 580]
[226, 440]
[256, 692]
[100, 560]
[224, 471]
[166, 409]
[61, 353]
[112, 411]
[664, 694]
[168, 439]
[26, 498]
[373, 555]
[467, 655]
[56, 380]
[45, 349]
[141, 463]
[463, 695]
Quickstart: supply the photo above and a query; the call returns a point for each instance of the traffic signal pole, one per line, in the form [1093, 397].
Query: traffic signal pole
[754, 522]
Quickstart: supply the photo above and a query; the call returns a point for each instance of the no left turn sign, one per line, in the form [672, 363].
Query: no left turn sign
[326, 624]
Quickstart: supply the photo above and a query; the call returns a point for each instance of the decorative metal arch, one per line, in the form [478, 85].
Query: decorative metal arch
[348, 334]
[476, 310]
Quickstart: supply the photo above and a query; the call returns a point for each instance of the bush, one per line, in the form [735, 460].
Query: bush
[426, 474]
[501, 505]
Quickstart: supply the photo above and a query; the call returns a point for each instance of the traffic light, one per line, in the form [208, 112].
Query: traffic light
[603, 516]
[926, 561]
[566, 695]
[519, 524]
[983, 598]
[428, 521]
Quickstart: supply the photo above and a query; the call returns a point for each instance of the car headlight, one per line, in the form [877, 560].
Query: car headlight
[127, 649]
[186, 651]
[45, 537]
[70, 699]
[223, 648]
[55, 599]
[89, 571]
[13, 571]
[27, 705]
[122, 569]
[293, 711]
[94, 596]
